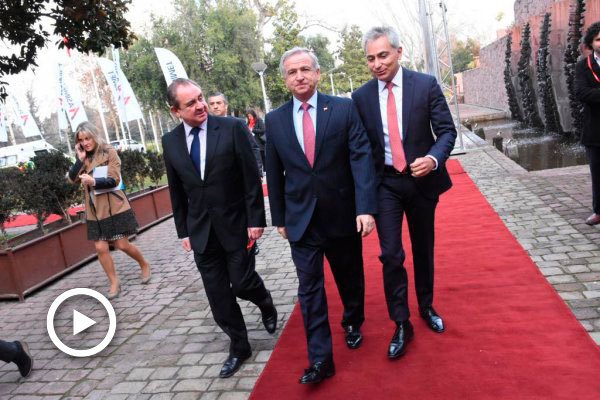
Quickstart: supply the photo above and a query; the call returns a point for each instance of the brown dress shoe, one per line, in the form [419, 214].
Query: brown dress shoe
[593, 219]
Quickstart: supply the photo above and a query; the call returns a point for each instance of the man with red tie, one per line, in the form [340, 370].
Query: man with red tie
[322, 196]
[402, 110]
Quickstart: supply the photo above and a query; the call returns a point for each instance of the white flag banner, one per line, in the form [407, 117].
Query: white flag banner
[108, 69]
[121, 98]
[132, 107]
[170, 65]
[70, 102]
[25, 120]
[3, 133]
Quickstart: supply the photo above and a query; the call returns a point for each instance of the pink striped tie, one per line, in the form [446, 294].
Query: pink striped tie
[308, 131]
[398, 157]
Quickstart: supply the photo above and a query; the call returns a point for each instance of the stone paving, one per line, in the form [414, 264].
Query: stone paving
[167, 345]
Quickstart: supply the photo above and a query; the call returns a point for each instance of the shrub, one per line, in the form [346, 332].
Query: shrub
[133, 169]
[156, 166]
[9, 202]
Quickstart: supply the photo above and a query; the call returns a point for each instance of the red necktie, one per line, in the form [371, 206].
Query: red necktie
[398, 158]
[308, 131]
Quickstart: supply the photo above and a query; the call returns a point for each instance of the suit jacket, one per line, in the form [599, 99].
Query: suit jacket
[229, 198]
[338, 187]
[424, 109]
[587, 90]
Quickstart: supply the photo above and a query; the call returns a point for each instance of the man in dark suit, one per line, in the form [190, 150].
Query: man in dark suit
[587, 89]
[400, 108]
[218, 207]
[322, 197]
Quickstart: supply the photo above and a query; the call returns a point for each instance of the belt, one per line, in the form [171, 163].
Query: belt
[388, 169]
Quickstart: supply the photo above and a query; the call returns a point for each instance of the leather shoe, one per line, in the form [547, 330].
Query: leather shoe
[593, 219]
[269, 315]
[317, 372]
[353, 336]
[23, 359]
[403, 334]
[232, 364]
[434, 321]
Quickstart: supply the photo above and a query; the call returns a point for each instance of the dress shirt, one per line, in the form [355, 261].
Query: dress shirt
[298, 112]
[597, 58]
[202, 136]
[383, 95]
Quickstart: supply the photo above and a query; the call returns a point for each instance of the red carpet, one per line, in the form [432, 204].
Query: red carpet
[509, 335]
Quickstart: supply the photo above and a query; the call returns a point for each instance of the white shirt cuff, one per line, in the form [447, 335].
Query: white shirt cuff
[434, 160]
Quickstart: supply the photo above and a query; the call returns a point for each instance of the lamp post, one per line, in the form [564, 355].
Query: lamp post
[260, 68]
[331, 80]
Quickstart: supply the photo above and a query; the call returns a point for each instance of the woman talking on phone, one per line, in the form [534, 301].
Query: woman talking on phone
[108, 213]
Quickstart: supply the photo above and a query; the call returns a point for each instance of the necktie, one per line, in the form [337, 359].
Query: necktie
[308, 131]
[398, 158]
[195, 149]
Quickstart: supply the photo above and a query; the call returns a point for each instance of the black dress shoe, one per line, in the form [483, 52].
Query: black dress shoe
[317, 372]
[23, 359]
[269, 315]
[232, 364]
[353, 336]
[593, 219]
[434, 321]
[403, 334]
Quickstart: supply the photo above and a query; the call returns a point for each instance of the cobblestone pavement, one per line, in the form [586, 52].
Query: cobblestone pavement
[167, 345]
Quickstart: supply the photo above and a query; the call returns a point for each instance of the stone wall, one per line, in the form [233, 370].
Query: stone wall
[485, 85]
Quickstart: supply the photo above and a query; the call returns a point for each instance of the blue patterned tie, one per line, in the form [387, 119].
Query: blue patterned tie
[195, 150]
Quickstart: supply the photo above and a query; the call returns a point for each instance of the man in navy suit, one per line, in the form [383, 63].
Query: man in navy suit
[322, 195]
[218, 206]
[400, 109]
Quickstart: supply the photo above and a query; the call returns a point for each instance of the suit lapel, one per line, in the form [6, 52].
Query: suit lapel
[323, 113]
[182, 149]
[407, 97]
[289, 131]
[212, 139]
[373, 93]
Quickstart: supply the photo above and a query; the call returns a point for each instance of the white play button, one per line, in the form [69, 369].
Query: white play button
[81, 322]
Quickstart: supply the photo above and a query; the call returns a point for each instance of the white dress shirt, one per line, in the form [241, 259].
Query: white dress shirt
[383, 97]
[202, 136]
[298, 113]
[597, 58]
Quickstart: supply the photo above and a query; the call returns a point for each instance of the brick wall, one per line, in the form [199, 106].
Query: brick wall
[485, 85]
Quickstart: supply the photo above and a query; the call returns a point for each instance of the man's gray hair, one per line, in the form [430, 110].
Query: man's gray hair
[172, 89]
[293, 52]
[219, 94]
[379, 31]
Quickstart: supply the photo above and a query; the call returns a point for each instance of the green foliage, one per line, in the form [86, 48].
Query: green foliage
[511, 94]
[134, 169]
[9, 202]
[319, 45]
[352, 56]
[86, 25]
[551, 117]
[156, 166]
[530, 113]
[574, 36]
[463, 54]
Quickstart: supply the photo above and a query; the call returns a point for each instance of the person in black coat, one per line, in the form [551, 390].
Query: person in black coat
[587, 90]
[257, 126]
[218, 207]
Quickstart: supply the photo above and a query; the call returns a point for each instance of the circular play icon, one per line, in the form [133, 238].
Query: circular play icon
[81, 322]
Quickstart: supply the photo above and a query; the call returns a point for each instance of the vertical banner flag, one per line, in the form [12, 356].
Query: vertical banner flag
[25, 120]
[170, 65]
[132, 107]
[70, 102]
[3, 133]
[131, 110]
[119, 84]
[108, 69]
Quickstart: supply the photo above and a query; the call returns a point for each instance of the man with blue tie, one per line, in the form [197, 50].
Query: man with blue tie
[218, 206]
[402, 110]
[320, 178]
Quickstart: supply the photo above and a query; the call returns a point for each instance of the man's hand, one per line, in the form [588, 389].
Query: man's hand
[185, 243]
[87, 180]
[422, 166]
[365, 224]
[255, 233]
[282, 231]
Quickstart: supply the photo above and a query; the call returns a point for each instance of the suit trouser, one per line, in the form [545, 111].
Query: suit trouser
[399, 195]
[227, 275]
[8, 351]
[345, 258]
[593, 155]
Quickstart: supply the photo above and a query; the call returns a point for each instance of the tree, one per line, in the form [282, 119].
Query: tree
[352, 56]
[134, 169]
[8, 199]
[85, 25]
[530, 113]
[463, 54]
[571, 55]
[156, 166]
[551, 117]
[319, 45]
[511, 94]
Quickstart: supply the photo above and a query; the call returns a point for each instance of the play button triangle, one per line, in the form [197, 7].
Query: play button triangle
[81, 322]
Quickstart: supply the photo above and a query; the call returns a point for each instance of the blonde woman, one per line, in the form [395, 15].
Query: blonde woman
[108, 213]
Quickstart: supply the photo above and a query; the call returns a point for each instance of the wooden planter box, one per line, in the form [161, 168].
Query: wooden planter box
[29, 266]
